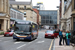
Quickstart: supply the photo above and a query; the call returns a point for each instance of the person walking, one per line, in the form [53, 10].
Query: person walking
[60, 36]
[68, 34]
[64, 37]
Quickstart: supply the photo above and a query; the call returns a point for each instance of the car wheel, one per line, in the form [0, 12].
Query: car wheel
[45, 37]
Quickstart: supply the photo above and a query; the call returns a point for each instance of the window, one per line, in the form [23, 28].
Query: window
[24, 13]
[17, 7]
[50, 17]
[10, 5]
[43, 21]
[25, 16]
[51, 21]
[43, 17]
[47, 17]
[47, 21]
[24, 7]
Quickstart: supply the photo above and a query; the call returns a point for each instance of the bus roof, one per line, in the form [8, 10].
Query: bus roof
[19, 21]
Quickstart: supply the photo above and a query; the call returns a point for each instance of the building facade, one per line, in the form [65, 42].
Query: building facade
[66, 10]
[48, 17]
[58, 19]
[39, 20]
[26, 8]
[38, 16]
[40, 6]
[16, 14]
[4, 15]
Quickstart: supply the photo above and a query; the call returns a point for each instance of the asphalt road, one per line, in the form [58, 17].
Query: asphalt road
[41, 43]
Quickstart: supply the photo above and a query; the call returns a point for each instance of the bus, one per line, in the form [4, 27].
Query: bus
[25, 30]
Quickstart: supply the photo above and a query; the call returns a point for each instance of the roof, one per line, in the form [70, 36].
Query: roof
[19, 3]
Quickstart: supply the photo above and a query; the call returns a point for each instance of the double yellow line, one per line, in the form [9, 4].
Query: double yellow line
[51, 45]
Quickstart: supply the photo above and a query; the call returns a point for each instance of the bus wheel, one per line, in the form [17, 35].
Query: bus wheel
[36, 37]
[31, 38]
[17, 39]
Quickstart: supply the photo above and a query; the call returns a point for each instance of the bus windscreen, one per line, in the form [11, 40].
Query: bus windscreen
[21, 27]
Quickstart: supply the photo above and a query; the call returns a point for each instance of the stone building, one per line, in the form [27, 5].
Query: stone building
[26, 8]
[4, 15]
[67, 10]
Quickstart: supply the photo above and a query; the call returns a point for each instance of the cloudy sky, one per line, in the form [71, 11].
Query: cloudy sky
[48, 4]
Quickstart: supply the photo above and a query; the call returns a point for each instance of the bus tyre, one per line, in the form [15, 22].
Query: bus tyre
[31, 38]
[36, 37]
[17, 39]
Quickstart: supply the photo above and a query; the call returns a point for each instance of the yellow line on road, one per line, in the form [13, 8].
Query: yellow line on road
[51, 45]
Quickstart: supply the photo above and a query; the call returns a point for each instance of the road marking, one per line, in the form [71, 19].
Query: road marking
[40, 41]
[21, 46]
[25, 44]
[29, 42]
[51, 44]
[17, 42]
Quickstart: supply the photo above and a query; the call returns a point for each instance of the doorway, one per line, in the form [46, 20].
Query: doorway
[0, 26]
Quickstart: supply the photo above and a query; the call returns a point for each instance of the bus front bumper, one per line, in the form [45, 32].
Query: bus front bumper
[22, 37]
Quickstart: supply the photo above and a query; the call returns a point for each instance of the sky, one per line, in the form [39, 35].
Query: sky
[48, 4]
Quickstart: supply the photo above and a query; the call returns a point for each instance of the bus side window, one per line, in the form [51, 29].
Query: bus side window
[30, 29]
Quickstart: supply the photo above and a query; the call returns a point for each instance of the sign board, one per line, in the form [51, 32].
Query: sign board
[23, 22]
[1, 14]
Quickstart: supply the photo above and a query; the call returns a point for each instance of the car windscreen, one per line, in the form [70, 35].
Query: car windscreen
[23, 27]
[49, 32]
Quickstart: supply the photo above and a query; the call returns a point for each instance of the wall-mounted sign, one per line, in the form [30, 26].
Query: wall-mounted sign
[1, 14]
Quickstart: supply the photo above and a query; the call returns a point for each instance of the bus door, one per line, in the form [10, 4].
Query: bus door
[34, 30]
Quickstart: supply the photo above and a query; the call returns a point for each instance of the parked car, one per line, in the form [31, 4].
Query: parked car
[8, 33]
[49, 34]
[56, 33]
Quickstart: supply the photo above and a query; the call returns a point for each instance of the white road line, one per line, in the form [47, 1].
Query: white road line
[17, 42]
[25, 44]
[21, 46]
[29, 42]
[40, 41]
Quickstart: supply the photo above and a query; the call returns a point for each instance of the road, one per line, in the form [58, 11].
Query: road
[41, 43]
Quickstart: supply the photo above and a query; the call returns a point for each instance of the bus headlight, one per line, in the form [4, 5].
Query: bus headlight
[16, 34]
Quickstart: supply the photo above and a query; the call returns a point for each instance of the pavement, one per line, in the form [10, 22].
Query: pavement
[1, 35]
[63, 47]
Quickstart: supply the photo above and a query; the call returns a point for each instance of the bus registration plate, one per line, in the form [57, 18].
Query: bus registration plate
[21, 38]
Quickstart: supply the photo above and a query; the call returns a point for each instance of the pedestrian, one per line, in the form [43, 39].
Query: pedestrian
[60, 36]
[64, 37]
[68, 34]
